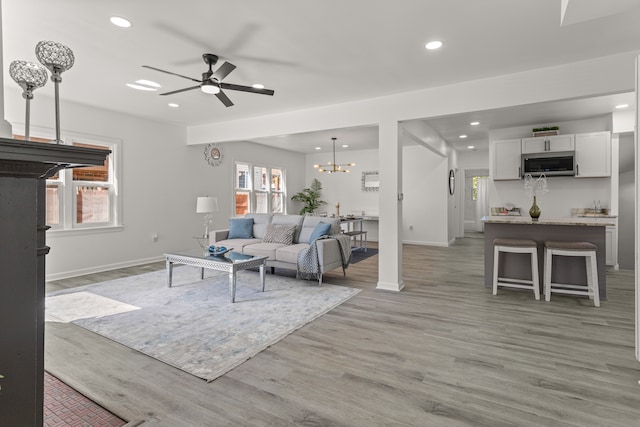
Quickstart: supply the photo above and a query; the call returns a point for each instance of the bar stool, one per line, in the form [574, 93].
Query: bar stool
[575, 249]
[518, 246]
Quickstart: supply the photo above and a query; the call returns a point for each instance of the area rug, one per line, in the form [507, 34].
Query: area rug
[359, 255]
[193, 325]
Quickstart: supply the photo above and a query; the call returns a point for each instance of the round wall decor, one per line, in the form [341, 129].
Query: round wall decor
[213, 154]
[452, 182]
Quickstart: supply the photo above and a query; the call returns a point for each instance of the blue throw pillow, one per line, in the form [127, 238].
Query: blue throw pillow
[321, 230]
[241, 228]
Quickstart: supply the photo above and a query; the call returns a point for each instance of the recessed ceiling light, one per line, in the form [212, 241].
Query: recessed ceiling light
[471, 147]
[120, 22]
[148, 83]
[318, 148]
[474, 123]
[621, 106]
[173, 105]
[463, 136]
[345, 146]
[140, 87]
[436, 44]
[258, 86]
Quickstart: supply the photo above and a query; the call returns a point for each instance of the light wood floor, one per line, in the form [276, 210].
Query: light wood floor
[443, 352]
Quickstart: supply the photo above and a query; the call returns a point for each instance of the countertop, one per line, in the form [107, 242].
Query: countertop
[582, 221]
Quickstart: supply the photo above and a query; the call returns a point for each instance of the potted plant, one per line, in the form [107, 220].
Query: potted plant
[310, 197]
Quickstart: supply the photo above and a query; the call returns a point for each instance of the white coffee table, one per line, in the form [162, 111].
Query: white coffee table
[231, 263]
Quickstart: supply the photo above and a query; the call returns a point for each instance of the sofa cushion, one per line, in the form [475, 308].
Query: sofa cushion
[289, 220]
[263, 249]
[310, 222]
[237, 244]
[290, 253]
[279, 234]
[260, 221]
[322, 229]
[240, 228]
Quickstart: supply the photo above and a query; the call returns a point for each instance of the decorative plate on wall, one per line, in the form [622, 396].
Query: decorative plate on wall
[452, 182]
[213, 154]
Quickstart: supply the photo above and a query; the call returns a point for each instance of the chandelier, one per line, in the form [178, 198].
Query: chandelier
[333, 167]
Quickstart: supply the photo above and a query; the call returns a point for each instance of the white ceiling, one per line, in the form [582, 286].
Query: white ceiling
[311, 53]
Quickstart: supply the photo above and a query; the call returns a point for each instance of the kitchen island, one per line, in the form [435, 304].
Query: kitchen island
[569, 269]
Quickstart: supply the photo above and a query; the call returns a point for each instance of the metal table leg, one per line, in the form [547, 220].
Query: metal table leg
[169, 272]
[262, 267]
[232, 286]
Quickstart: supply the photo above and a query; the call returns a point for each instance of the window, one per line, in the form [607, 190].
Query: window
[259, 189]
[474, 187]
[83, 198]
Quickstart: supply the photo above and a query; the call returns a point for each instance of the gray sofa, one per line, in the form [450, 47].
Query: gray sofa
[329, 252]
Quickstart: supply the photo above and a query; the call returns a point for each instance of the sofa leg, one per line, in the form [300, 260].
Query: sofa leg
[344, 271]
[320, 280]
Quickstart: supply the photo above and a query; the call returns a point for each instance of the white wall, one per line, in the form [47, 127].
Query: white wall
[470, 161]
[564, 193]
[425, 176]
[473, 159]
[161, 179]
[345, 188]
[221, 177]
[626, 207]
[425, 187]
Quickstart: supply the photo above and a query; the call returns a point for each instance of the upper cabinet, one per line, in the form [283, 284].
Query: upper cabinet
[593, 154]
[506, 159]
[543, 144]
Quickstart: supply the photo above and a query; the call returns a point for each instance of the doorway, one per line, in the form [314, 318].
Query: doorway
[476, 199]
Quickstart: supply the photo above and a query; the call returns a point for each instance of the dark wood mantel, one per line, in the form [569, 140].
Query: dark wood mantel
[24, 167]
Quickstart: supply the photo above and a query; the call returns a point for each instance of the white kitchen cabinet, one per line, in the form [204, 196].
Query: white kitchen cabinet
[541, 144]
[593, 154]
[506, 159]
[611, 246]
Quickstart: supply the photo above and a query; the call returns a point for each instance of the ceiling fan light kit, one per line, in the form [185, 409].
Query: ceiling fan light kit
[209, 87]
[211, 81]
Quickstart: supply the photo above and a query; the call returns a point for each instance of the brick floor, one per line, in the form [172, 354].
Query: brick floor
[65, 407]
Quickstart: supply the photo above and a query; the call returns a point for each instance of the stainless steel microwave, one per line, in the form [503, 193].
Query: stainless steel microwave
[555, 163]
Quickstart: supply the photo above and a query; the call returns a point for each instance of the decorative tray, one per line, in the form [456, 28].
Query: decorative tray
[218, 250]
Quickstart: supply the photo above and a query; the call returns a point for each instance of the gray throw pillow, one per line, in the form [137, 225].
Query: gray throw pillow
[279, 233]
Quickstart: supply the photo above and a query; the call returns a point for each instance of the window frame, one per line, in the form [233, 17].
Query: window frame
[267, 190]
[67, 186]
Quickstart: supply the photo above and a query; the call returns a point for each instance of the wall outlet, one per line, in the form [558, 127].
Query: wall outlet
[154, 237]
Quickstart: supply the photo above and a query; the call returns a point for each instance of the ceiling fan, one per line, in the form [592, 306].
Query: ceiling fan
[211, 81]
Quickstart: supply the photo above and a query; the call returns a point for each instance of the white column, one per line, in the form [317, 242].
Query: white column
[637, 191]
[5, 126]
[390, 224]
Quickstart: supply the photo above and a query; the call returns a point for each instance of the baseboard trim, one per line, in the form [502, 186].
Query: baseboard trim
[100, 268]
[423, 243]
[389, 286]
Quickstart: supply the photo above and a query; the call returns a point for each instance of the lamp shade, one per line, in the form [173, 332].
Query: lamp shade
[28, 75]
[207, 205]
[55, 56]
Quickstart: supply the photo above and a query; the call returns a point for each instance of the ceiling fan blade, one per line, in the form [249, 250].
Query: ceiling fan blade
[180, 90]
[173, 74]
[224, 99]
[223, 71]
[231, 86]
